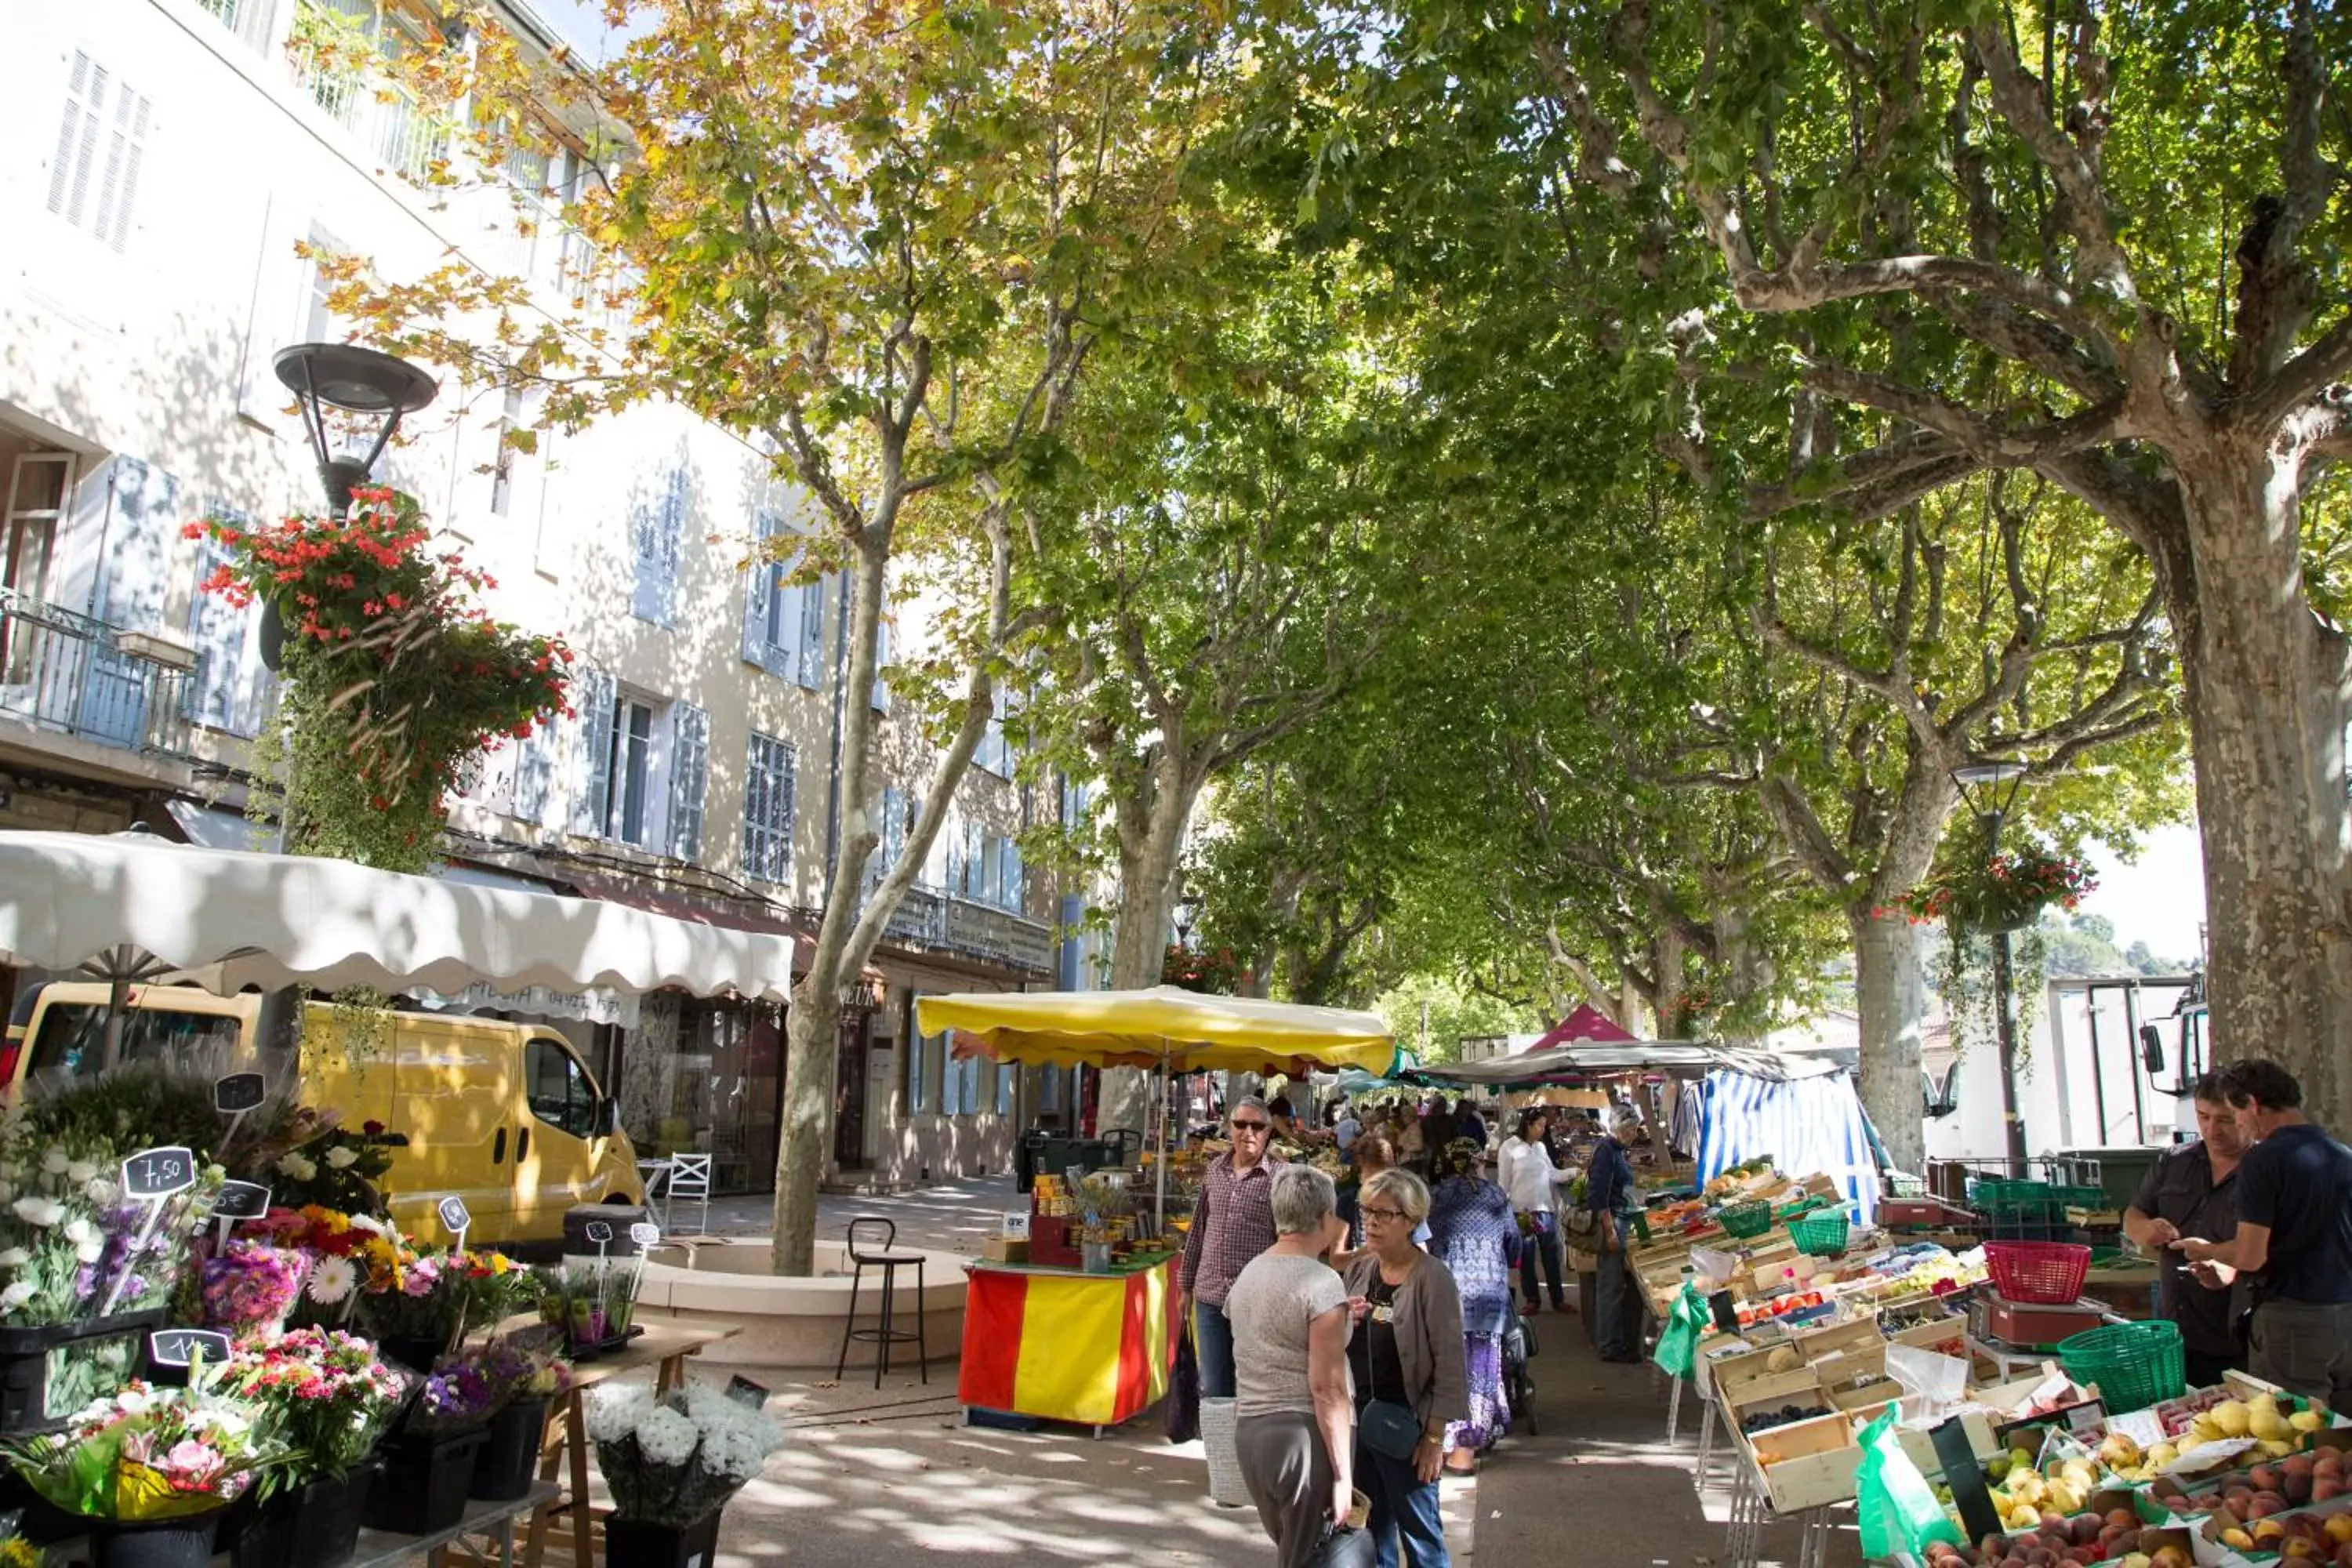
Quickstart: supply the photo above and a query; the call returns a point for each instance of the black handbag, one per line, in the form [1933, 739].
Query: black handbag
[1184, 1391]
[1387, 1427]
[1345, 1547]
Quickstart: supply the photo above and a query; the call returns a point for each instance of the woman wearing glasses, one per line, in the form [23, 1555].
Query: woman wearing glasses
[1473, 1233]
[1408, 1360]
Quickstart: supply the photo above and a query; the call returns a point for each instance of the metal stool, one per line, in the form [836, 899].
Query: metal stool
[864, 1250]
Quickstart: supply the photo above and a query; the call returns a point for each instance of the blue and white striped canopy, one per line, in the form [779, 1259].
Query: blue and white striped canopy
[1808, 1126]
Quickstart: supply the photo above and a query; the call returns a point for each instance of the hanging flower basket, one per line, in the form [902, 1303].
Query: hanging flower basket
[1217, 972]
[394, 677]
[2000, 892]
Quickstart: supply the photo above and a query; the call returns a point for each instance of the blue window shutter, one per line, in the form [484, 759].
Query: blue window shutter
[809, 667]
[894, 827]
[881, 698]
[1011, 892]
[758, 590]
[597, 695]
[136, 557]
[656, 529]
[534, 775]
[690, 778]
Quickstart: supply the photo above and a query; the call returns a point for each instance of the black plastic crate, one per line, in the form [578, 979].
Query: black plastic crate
[28, 1357]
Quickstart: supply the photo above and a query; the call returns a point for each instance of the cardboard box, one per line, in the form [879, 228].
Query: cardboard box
[1005, 1249]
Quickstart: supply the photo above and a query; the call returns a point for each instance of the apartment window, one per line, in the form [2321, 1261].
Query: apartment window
[959, 1084]
[102, 141]
[502, 463]
[248, 19]
[628, 771]
[986, 869]
[995, 754]
[922, 1050]
[784, 621]
[1007, 1078]
[768, 783]
[658, 528]
[645, 762]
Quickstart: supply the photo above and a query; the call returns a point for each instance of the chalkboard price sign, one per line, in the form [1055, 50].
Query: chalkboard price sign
[454, 1214]
[241, 1200]
[598, 1231]
[645, 1233]
[239, 1091]
[744, 1391]
[182, 1347]
[157, 1173]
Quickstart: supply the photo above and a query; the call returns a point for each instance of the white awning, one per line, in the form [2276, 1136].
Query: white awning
[269, 921]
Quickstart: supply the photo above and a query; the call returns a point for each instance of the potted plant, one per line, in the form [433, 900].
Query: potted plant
[671, 1463]
[428, 1464]
[326, 1397]
[419, 1306]
[526, 1375]
[394, 677]
[1980, 899]
[150, 1472]
[594, 1299]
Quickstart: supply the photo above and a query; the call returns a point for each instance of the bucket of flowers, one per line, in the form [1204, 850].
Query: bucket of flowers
[428, 1464]
[594, 1299]
[527, 1374]
[84, 1272]
[671, 1463]
[420, 1303]
[149, 1472]
[327, 1397]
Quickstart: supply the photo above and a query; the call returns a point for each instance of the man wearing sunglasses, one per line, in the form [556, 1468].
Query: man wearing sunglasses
[1232, 1222]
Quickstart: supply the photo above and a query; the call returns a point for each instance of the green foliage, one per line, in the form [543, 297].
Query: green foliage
[1434, 1013]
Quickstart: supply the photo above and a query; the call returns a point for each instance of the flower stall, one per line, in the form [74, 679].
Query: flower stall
[672, 1462]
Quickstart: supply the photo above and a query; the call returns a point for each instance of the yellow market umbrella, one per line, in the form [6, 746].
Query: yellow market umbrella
[1165, 1026]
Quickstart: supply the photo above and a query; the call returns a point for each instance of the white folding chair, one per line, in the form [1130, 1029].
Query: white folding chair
[689, 1178]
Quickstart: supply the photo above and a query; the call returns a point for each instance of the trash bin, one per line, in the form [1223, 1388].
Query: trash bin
[620, 1216]
[1024, 1160]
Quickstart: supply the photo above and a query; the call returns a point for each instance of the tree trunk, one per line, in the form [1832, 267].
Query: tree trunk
[1151, 817]
[2266, 698]
[1891, 987]
[812, 1058]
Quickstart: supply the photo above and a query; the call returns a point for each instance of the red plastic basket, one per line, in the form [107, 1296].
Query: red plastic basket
[2040, 1273]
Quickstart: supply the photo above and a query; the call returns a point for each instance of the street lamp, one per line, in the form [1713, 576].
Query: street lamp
[1988, 789]
[354, 379]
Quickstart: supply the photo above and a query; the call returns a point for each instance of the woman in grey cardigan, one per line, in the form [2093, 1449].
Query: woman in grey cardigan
[1407, 1355]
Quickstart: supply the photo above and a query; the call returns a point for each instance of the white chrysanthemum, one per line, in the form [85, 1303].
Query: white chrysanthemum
[54, 1161]
[739, 1449]
[80, 1230]
[103, 1190]
[665, 1437]
[614, 1413]
[298, 1167]
[17, 1294]
[342, 1158]
[81, 1170]
[38, 1211]
[14, 1258]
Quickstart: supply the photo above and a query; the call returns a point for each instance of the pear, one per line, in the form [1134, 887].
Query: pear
[2231, 1416]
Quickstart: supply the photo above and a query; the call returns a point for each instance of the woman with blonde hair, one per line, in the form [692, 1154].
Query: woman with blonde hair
[1410, 1366]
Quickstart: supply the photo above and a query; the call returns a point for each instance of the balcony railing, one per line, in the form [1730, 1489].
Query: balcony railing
[943, 923]
[75, 675]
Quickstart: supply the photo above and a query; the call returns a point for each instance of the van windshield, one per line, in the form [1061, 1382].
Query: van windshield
[72, 1037]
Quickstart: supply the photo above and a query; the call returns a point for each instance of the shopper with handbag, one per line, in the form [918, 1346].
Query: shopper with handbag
[1407, 1355]
[1294, 1438]
[1533, 1183]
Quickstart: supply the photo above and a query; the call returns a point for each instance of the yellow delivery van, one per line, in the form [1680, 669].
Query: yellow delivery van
[505, 1116]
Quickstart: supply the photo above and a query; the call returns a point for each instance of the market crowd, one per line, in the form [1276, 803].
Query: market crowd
[1361, 1325]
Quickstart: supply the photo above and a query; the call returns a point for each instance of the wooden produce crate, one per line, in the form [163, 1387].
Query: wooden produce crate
[1799, 1387]
[1859, 1333]
[1870, 1396]
[1844, 1368]
[1807, 1464]
[1945, 1336]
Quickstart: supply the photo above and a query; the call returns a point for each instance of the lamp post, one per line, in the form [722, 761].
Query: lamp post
[353, 380]
[1188, 915]
[1990, 788]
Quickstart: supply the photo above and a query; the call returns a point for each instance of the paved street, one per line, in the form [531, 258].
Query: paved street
[954, 1216]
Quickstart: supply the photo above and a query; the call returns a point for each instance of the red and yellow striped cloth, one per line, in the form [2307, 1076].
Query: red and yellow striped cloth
[1093, 1349]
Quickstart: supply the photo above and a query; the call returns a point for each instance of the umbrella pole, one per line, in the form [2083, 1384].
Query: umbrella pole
[1159, 1198]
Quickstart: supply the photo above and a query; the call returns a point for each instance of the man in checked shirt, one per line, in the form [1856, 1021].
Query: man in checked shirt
[1232, 1222]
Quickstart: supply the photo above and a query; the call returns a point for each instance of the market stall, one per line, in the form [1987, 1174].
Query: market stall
[1069, 1322]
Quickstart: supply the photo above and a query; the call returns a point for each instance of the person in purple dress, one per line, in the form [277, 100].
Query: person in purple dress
[1473, 1233]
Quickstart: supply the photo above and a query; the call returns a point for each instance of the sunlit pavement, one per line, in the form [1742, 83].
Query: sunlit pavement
[954, 1216]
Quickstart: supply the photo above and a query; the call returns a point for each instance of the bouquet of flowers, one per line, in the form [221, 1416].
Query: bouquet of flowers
[676, 1459]
[148, 1454]
[436, 1293]
[69, 1241]
[251, 1286]
[323, 1393]
[309, 1159]
[525, 1366]
[457, 1396]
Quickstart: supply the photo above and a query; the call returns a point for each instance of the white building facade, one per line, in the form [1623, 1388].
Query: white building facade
[163, 159]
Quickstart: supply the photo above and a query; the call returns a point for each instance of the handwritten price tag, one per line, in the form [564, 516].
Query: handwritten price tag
[597, 1231]
[241, 1200]
[183, 1347]
[645, 1234]
[454, 1214]
[155, 1173]
[239, 1091]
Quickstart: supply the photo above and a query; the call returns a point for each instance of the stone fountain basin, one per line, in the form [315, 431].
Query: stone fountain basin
[797, 1322]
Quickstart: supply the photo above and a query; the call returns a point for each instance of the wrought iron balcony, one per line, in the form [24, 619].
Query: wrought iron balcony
[943, 923]
[77, 675]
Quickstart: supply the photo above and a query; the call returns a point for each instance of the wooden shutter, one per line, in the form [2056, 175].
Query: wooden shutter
[690, 778]
[136, 558]
[597, 694]
[101, 142]
[1009, 892]
[808, 668]
[656, 529]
